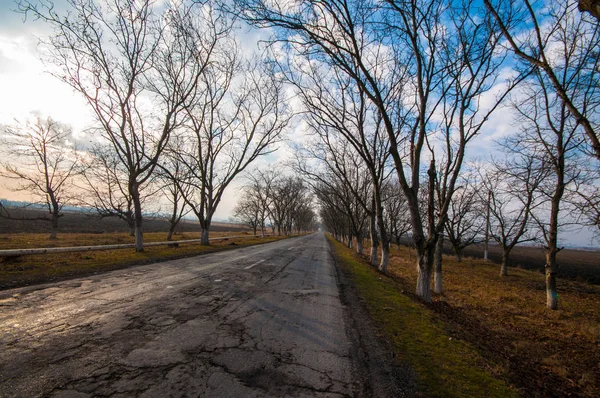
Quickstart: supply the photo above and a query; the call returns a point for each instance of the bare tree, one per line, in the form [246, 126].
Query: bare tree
[304, 216]
[395, 52]
[41, 157]
[338, 109]
[254, 207]
[340, 180]
[513, 187]
[122, 57]
[285, 199]
[549, 135]
[587, 206]
[103, 186]
[396, 211]
[287, 194]
[341, 219]
[227, 129]
[563, 46]
[247, 210]
[465, 223]
[332, 216]
[171, 171]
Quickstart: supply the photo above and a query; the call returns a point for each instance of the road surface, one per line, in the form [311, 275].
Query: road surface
[261, 321]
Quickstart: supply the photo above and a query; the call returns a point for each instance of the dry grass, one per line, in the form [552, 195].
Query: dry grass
[446, 366]
[547, 353]
[34, 269]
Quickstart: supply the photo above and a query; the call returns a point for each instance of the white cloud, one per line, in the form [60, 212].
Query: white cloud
[27, 88]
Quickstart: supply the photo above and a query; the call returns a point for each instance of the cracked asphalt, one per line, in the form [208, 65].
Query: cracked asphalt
[261, 321]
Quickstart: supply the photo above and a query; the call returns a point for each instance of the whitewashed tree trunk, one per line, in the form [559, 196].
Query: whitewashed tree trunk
[504, 266]
[138, 217]
[54, 232]
[373, 254]
[423, 279]
[385, 258]
[438, 285]
[359, 245]
[204, 238]
[424, 270]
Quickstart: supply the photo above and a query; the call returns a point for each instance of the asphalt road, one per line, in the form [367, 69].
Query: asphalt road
[262, 321]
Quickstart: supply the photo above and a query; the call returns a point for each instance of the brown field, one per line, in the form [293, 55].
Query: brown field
[582, 265]
[544, 353]
[574, 264]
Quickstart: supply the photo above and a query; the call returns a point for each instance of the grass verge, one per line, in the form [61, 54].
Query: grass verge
[447, 366]
[27, 270]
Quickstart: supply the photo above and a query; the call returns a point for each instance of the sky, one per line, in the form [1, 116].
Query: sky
[25, 87]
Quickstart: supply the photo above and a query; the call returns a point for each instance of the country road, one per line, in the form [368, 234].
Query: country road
[261, 321]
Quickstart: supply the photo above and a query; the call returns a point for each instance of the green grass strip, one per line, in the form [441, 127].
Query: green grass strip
[447, 367]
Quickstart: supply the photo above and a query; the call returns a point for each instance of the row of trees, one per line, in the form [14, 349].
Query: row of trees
[405, 87]
[394, 93]
[284, 203]
[174, 99]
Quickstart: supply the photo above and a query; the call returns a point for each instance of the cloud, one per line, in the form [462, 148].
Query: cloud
[27, 88]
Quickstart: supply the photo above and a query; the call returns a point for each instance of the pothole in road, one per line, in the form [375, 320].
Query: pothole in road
[267, 380]
[244, 362]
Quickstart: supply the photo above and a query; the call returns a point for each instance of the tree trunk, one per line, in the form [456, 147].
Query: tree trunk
[552, 243]
[487, 226]
[359, 244]
[384, 238]
[385, 244]
[424, 267]
[54, 232]
[504, 266]
[374, 253]
[459, 255]
[204, 237]
[438, 286]
[173, 221]
[374, 241]
[424, 249]
[551, 270]
[138, 218]
[385, 257]
[349, 243]
[131, 225]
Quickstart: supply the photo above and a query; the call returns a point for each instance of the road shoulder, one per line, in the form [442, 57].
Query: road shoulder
[381, 373]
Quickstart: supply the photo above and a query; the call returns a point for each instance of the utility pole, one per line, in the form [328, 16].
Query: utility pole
[487, 226]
